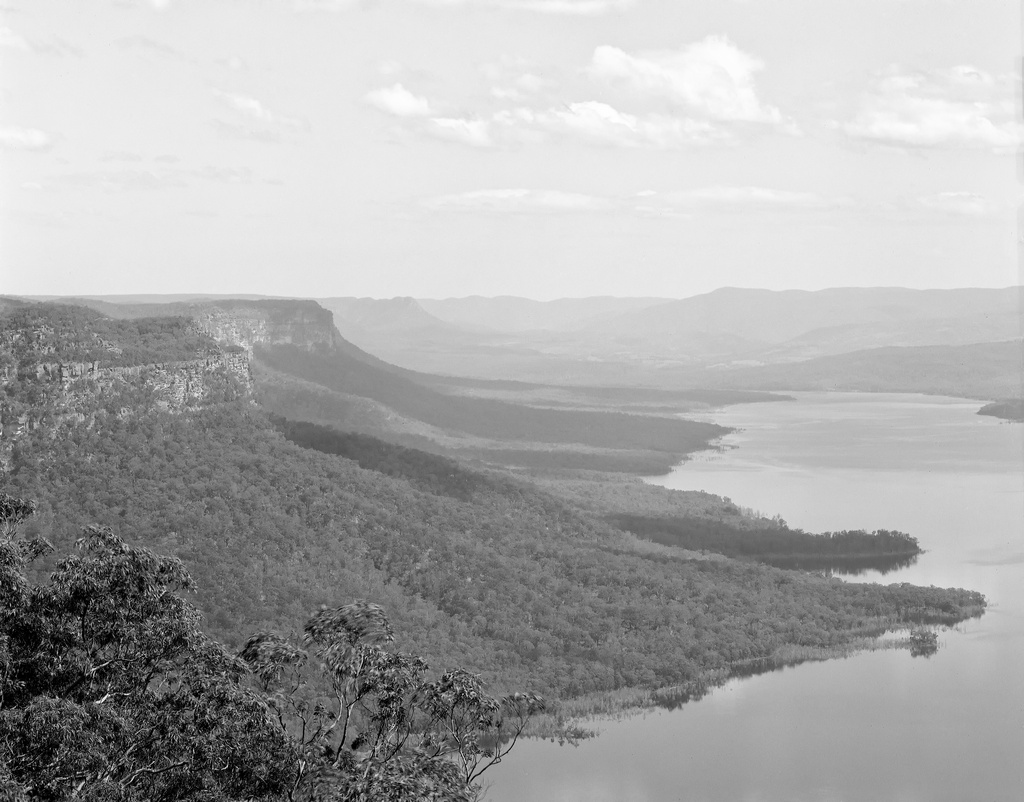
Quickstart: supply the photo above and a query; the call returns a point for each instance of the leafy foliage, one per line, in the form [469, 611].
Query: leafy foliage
[53, 332]
[109, 690]
[385, 730]
[429, 472]
[766, 542]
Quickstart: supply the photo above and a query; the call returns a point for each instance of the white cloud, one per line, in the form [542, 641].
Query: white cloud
[144, 44]
[260, 123]
[702, 94]
[467, 132]
[577, 8]
[746, 196]
[962, 107]
[9, 38]
[24, 138]
[712, 79]
[399, 101]
[248, 106]
[599, 122]
[120, 156]
[55, 46]
[648, 203]
[581, 8]
[240, 131]
[967, 204]
[592, 122]
[234, 63]
[519, 200]
[390, 67]
[729, 199]
[151, 179]
[522, 87]
[322, 5]
[123, 180]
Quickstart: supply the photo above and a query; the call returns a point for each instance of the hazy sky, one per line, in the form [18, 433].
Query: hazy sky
[542, 148]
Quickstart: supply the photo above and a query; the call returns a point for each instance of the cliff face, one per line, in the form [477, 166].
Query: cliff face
[305, 324]
[177, 384]
[52, 396]
[65, 365]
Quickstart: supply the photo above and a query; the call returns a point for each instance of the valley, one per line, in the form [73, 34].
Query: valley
[502, 524]
[511, 401]
[180, 470]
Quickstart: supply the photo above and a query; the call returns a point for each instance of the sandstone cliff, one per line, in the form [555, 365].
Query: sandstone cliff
[63, 365]
[305, 324]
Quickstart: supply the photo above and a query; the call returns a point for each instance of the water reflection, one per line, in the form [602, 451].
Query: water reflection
[843, 566]
[880, 726]
[923, 643]
[675, 698]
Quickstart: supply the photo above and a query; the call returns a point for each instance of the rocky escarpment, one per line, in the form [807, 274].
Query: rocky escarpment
[305, 324]
[62, 367]
[54, 395]
[64, 364]
[177, 384]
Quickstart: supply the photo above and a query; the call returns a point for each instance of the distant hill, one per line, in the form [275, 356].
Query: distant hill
[402, 314]
[798, 324]
[647, 341]
[482, 427]
[401, 328]
[777, 316]
[509, 313]
[981, 370]
[1012, 409]
[883, 339]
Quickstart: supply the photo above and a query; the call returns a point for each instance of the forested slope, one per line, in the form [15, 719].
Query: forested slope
[484, 571]
[485, 417]
[512, 583]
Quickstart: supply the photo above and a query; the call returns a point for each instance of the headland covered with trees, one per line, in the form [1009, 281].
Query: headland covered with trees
[477, 567]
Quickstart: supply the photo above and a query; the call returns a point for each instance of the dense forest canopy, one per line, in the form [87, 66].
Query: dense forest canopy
[485, 417]
[766, 542]
[109, 690]
[516, 584]
[54, 333]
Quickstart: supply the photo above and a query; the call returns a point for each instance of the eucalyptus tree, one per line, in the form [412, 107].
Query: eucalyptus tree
[110, 690]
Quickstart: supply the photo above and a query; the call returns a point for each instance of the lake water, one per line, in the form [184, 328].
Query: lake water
[880, 726]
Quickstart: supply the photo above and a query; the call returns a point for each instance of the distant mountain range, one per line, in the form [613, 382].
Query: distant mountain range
[774, 326]
[979, 370]
[955, 341]
[690, 342]
[507, 313]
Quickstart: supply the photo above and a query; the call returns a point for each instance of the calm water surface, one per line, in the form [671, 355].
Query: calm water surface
[878, 726]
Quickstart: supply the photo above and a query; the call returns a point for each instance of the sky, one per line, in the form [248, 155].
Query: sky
[541, 148]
